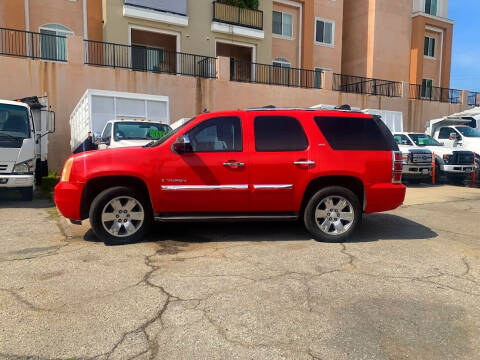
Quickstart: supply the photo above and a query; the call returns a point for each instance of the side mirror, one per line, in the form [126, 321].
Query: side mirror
[105, 141]
[459, 137]
[182, 145]
[453, 136]
[51, 122]
[97, 137]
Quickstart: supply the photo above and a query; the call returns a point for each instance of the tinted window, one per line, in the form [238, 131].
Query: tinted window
[445, 133]
[279, 133]
[222, 134]
[344, 133]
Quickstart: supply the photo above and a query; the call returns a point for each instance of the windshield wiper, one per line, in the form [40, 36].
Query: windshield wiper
[10, 136]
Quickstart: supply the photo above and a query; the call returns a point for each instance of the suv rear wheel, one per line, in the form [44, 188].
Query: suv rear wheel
[332, 214]
[120, 215]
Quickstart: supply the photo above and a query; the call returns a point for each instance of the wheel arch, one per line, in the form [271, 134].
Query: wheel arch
[96, 185]
[352, 183]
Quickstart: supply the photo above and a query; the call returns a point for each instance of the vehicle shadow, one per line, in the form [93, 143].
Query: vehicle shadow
[375, 227]
[11, 199]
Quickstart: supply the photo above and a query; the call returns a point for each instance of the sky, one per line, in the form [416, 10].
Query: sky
[466, 44]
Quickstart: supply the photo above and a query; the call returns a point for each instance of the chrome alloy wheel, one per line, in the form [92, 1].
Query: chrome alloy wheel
[334, 215]
[123, 216]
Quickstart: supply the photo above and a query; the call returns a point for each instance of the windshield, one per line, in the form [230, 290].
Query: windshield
[424, 140]
[130, 130]
[168, 136]
[14, 122]
[468, 131]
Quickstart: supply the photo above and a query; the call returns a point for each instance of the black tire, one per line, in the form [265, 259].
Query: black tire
[99, 203]
[309, 214]
[27, 194]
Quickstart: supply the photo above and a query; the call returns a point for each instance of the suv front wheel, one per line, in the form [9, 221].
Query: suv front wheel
[120, 215]
[332, 214]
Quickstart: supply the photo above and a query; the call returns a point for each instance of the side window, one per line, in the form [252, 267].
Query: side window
[222, 134]
[279, 133]
[351, 133]
[445, 133]
[107, 132]
[402, 140]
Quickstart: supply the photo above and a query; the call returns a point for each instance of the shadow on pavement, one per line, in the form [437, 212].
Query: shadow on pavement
[11, 199]
[375, 227]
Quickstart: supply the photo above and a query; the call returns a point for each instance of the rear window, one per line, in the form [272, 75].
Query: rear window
[279, 133]
[345, 133]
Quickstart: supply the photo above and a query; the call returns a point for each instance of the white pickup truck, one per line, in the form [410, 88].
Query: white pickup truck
[452, 164]
[125, 133]
[456, 133]
[24, 126]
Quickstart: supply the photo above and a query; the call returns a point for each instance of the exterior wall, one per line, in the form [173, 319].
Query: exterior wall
[94, 20]
[419, 66]
[328, 57]
[442, 7]
[197, 37]
[288, 48]
[64, 12]
[376, 40]
[431, 67]
[12, 14]
[65, 83]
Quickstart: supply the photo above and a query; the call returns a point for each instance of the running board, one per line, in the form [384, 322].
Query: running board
[200, 218]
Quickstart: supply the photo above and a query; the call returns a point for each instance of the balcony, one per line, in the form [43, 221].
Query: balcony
[172, 12]
[235, 20]
[434, 93]
[368, 86]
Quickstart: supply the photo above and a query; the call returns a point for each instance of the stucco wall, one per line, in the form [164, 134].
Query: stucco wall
[197, 37]
[12, 14]
[288, 48]
[65, 83]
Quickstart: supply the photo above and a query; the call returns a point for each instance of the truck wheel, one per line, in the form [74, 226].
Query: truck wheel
[120, 215]
[27, 194]
[332, 214]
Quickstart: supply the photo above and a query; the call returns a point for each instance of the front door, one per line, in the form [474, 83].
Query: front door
[280, 162]
[213, 178]
[444, 136]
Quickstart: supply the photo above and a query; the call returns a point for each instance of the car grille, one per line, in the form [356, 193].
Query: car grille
[462, 158]
[3, 168]
[420, 157]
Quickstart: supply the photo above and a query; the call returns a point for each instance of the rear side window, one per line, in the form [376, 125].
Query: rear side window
[344, 133]
[279, 133]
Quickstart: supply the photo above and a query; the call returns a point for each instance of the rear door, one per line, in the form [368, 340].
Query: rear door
[280, 161]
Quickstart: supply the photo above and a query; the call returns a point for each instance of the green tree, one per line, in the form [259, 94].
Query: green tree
[249, 4]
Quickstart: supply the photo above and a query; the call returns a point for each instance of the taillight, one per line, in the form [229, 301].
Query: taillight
[397, 167]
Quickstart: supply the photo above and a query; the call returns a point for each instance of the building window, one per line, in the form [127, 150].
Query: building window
[427, 86]
[431, 7]
[281, 62]
[51, 46]
[429, 49]
[324, 31]
[317, 79]
[282, 24]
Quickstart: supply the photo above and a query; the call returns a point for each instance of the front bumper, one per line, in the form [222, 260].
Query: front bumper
[16, 181]
[459, 169]
[384, 197]
[417, 171]
[68, 198]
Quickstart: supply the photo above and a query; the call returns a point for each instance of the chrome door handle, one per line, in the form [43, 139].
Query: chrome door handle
[304, 162]
[234, 164]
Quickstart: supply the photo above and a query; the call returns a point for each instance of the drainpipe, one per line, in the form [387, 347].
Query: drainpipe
[27, 16]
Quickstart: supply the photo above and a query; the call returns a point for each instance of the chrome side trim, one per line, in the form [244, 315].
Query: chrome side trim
[203, 187]
[224, 217]
[273, 187]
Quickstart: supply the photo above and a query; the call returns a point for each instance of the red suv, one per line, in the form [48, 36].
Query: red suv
[323, 167]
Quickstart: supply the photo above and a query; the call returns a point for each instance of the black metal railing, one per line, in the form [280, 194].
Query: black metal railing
[473, 98]
[33, 45]
[245, 71]
[149, 59]
[369, 86]
[435, 93]
[234, 15]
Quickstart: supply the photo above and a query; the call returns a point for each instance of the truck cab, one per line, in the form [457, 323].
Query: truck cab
[23, 144]
[126, 133]
[417, 161]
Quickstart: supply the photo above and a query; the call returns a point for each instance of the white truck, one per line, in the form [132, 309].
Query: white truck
[24, 128]
[417, 161]
[456, 133]
[98, 108]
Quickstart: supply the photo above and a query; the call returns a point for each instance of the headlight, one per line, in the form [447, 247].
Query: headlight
[67, 169]
[25, 167]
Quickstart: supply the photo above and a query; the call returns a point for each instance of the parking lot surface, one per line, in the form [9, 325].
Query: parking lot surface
[407, 286]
